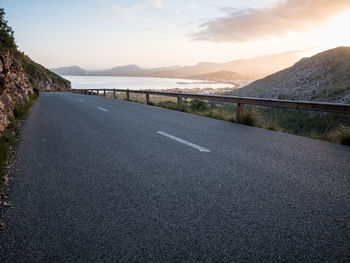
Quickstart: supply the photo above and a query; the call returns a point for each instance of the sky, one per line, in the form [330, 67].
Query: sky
[100, 34]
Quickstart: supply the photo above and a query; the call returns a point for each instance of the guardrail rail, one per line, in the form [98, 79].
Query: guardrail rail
[240, 101]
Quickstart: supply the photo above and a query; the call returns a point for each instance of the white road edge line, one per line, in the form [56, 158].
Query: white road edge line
[103, 109]
[197, 147]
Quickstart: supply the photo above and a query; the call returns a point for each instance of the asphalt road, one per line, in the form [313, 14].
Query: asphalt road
[103, 180]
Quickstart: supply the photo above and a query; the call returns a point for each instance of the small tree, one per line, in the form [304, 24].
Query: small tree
[198, 105]
[7, 38]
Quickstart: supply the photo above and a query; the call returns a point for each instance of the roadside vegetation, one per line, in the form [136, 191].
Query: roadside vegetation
[9, 135]
[36, 72]
[317, 125]
[7, 39]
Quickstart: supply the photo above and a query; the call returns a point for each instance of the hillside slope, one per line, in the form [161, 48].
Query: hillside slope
[20, 76]
[39, 76]
[324, 77]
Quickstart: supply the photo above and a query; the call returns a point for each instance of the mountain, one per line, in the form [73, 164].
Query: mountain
[324, 77]
[127, 71]
[70, 71]
[164, 68]
[217, 76]
[248, 68]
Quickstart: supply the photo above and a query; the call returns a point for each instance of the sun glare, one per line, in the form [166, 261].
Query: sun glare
[337, 29]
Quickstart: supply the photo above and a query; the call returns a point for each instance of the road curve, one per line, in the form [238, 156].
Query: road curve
[103, 180]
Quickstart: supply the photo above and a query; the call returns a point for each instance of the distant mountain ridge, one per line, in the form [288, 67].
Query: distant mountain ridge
[324, 77]
[248, 68]
[254, 68]
[127, 71]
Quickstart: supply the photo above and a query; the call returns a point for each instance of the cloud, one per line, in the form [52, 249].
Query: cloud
[283, 17]
[126, 14]
[157, 3]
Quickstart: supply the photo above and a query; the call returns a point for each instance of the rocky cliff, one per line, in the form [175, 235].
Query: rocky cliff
[19, 76]
[14, 87]
[324, 77]
[40, 77]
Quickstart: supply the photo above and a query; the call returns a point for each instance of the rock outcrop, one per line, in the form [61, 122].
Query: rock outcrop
[19, 76]
[324, 77]
[40, 77]
[14, 87]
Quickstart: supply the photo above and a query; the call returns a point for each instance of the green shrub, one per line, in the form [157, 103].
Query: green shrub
[8, 138]
[248, 119]
[212, 105]
[340, 135]
[198, 105]
[7, 39]
[272, 126]
[22, 110]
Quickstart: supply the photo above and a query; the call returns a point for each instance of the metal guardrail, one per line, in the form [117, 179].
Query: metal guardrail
[240, 101]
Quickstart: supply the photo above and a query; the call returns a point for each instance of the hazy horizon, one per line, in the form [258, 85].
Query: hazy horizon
[102, 34]
[296, 52]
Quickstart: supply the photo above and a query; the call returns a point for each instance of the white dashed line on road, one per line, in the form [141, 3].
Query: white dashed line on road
[197, 147]
[103, 109]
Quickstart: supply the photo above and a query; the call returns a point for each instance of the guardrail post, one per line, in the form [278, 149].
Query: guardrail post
[104, 92]
[179, 103]
[240, 112]
[147, 98]
[114, 94]
[127, 95]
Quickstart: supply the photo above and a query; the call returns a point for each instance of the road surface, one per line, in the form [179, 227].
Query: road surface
[103, 180]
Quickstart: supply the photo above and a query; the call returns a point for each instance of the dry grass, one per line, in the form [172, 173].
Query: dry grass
[340, 135]
[326, 127]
